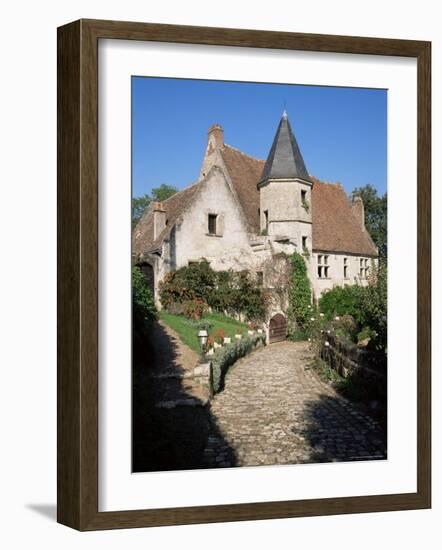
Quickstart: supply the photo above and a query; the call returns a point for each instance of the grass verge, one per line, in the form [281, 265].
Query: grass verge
[187, 329]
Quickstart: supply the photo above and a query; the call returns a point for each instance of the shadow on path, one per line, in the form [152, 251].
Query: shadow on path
[337, 430]
[171, 414]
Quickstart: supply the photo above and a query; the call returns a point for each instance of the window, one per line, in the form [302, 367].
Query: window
[266, 220]
[303, 196]
[259, 278]
[345, 268]
[304, 244]
[212, 224]
[364, 268]
[323, 267]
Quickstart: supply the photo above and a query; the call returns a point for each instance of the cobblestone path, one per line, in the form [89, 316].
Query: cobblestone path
[275, 410]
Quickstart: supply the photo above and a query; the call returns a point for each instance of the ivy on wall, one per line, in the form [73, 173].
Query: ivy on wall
[300, 293]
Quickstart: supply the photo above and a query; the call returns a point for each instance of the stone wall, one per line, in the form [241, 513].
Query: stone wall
[192, 239]
[361, 366]
[336, 271]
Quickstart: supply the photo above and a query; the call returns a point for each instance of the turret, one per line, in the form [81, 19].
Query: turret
[285, 190]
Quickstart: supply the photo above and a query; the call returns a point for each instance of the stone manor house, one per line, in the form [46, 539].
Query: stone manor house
[244, 213]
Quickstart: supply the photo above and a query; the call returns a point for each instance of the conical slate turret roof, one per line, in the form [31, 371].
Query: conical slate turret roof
[285, 160]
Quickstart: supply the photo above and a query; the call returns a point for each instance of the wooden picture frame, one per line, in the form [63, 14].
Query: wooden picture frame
[78, 274]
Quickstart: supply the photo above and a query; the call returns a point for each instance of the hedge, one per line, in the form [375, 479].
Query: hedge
[226, 356]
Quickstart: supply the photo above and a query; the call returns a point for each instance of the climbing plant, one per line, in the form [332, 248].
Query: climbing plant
[300, 294]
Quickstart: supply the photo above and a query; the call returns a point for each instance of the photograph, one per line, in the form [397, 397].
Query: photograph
[259, 274]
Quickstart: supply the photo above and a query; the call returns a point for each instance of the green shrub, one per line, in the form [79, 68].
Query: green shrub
[228, 292]
[194, 309]
[374, 308]
[366, 333]
[143, 305]
[142, 296]
[187, 283]
[247, 298]
[366, 305]
[300, 294]
[226, 356]
[342, 300]
[298, 335]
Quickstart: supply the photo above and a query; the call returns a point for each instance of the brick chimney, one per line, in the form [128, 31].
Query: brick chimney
[215, 138]
[357, 207]
[159, 218]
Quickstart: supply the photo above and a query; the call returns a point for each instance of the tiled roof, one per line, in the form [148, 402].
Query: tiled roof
[142, 235]
[335, 228]
[244, 172]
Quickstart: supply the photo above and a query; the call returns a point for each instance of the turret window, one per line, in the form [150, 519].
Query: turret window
[345, 268]
[304, 201]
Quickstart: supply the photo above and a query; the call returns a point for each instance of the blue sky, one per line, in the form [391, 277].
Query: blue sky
[342, 132]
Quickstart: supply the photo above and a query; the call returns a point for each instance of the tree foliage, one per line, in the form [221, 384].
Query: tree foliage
[375, 207]
[139, 204]
[342, 300]
[143, 304]
[300, 294]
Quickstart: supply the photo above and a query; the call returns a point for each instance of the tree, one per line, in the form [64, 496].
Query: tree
[139, 204]
[375, 207]
[158, 194]
[163, 192]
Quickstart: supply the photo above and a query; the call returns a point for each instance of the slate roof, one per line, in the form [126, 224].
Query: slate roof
[285, 159]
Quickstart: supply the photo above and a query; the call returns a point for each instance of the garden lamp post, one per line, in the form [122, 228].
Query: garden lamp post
[202, 337]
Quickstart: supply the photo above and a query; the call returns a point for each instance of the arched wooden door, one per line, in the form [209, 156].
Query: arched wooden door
[277, 328]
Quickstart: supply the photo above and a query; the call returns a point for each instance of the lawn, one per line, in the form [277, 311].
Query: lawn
[188, 330]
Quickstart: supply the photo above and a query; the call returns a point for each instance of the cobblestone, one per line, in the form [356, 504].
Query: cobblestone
[275, 410]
